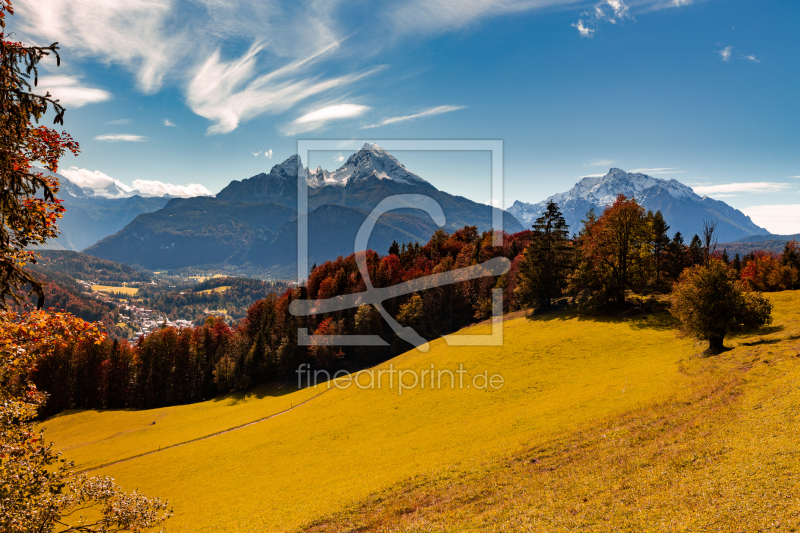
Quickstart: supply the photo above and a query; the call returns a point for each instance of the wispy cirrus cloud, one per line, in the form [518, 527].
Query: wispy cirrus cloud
[658, 171]
[119, 121]
[600, 163]
[215, 51]
[70, 91]
[229, 92]
[431, 111]
[319, 118]
[120, 137]
[741, 188]
[168, 123]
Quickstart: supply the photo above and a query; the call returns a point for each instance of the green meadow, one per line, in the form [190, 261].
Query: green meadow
[351, 458]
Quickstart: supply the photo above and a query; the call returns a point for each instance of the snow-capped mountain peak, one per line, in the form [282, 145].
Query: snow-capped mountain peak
[683, 209]
[373, 161]
[603, 190]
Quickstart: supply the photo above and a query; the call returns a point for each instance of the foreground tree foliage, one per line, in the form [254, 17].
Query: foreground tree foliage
[29, 209]
[37, 491]
[547, 261]
[711, 303]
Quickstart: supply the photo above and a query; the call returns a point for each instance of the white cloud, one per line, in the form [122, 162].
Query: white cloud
[679, 3]
[583, 30]
[739, 188]
[92, 179]
[159, 188]
[119, 121]
[169, 123]
[587, 24]
[180, 42]
[268, 153]
[120, 137]
[70, 92]
[339, 157]
[751, 57]
[100, 183]
[779, 219]
[137, 34]
[726, 53]
[600, 163]
[438, 110]
[658, 171]
[215, 91]
[620, 9]
[317, 119]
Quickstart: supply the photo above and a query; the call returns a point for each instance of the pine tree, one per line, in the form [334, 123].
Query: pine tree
[660, 241]
[546, 262]
[677, 254]
[696, 251]
[737, 264]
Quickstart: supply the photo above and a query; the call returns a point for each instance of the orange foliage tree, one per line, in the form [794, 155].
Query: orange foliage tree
[29, 210]
[614, 253]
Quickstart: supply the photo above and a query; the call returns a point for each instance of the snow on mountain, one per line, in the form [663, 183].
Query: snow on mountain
[683, 209]
[370, 161]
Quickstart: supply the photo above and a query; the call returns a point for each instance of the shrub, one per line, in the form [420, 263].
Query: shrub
[710, 303]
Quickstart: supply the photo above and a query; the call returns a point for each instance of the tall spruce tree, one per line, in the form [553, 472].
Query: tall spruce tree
[677, 255]
[547, 260]
[660, 241]
[697, 253]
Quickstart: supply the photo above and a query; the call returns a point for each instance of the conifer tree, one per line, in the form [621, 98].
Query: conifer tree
[660, 241]
[546, 262]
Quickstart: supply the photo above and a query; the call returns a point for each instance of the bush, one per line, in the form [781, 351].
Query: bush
[710, 303]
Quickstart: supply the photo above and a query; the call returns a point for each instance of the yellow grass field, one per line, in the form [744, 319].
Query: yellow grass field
[601, 424]
[130, 291]
[217, 289]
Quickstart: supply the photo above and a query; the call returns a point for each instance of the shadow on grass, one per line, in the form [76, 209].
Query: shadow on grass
[650, 314]
[273, 389]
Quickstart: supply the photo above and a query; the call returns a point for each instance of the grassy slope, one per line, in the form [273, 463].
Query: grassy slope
[565, 378]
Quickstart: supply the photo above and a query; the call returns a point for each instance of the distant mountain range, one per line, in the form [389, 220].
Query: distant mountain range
[90, 217]
[252, 223]
[683, 209]
[751, 243]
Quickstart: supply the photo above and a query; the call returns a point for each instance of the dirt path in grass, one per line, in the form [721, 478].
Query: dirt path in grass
[204, 437]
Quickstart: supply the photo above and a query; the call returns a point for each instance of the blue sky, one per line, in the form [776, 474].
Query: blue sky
[187, 91]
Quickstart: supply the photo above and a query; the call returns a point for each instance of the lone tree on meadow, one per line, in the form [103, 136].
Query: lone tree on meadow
[546, 262]
[710, 303]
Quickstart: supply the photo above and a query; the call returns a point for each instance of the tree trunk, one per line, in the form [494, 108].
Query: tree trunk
[715, 344]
